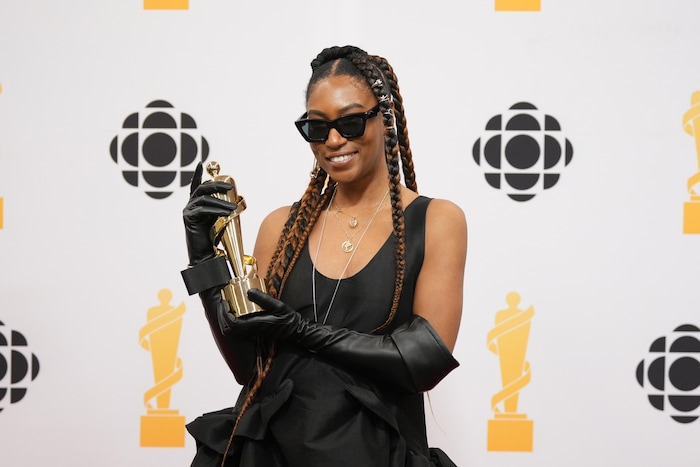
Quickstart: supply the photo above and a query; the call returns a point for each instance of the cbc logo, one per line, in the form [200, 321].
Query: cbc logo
[18, 366]
[671, 374]
[158, 149]
[522, 152]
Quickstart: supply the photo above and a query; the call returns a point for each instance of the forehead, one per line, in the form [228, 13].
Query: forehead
[338, 92]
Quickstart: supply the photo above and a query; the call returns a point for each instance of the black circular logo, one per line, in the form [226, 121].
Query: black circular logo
[18, 366]
[522, 152]
[671, 374]
[158, 149]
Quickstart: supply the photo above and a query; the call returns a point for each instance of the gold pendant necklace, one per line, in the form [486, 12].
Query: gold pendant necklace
[347, 246]
[353, 249]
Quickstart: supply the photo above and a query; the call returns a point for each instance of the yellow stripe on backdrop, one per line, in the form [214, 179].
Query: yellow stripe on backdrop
[517, 5]
[166, 4]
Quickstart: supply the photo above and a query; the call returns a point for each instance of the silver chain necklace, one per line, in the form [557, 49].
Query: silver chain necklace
[354, 250]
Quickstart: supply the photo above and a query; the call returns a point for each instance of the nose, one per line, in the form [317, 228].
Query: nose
[335, 139]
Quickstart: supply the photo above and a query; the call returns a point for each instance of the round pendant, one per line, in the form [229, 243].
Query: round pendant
[347, 246]
[352, 222]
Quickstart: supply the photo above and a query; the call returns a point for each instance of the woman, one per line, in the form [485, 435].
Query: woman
[367, 278]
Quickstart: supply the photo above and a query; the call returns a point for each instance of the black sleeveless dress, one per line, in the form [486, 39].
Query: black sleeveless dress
[311, 412]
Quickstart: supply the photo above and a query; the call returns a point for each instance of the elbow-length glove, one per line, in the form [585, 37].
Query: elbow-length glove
[208, 273]
[411, 359]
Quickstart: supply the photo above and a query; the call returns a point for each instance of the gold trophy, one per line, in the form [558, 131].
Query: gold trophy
[227, 232]
[510, 430]
[691, 209]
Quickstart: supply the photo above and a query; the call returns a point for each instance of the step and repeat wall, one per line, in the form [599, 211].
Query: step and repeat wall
[568, 132]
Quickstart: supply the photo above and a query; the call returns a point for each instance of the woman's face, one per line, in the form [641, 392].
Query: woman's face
[347, 160]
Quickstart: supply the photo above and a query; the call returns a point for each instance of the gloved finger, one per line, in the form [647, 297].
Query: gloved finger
[210, 188]
[196, 178]
[264, 300]
[212, 202]
[199, 215]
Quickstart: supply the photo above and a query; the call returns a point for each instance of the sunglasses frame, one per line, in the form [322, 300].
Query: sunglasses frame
[333, 124]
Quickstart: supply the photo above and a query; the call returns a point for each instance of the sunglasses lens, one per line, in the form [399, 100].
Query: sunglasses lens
[317, 130]
[351, 126]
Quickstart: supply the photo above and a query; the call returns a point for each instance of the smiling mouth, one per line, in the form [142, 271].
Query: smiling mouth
[342, 158]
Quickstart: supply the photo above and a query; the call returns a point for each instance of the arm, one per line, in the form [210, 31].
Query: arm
[439, 289]
[207, 273]
[411, 359]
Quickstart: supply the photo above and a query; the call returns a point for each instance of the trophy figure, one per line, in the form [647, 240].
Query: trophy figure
[691, 209]
[162, 426]
[227, 232]
[510, 430]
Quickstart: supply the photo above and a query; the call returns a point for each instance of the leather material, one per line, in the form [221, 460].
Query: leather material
[239, 352]
[206, 274]
[200, 213]
[412, 358]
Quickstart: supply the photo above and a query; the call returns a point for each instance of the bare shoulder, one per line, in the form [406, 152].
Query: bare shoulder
[444, 215]
[276, 219]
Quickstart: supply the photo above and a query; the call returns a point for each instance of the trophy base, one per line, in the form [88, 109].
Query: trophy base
[236, 294]
[691, 218]
[163, 429]
[510, 434]
[518, 5]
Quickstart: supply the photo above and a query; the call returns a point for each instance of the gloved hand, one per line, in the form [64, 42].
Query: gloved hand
[277, 322]
[200, 213]
[412, 358]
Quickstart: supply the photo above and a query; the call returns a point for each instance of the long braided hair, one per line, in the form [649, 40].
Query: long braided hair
[379, 76]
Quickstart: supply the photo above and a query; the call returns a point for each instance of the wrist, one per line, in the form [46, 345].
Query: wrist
[206, 274]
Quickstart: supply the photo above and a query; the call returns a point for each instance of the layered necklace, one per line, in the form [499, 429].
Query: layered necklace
[347, 247]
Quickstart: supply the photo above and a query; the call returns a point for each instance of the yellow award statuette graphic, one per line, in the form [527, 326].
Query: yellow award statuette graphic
[166, 4]
[162, 426]
[1, 213]
[510, 430]
[691, 209]
[517, 5]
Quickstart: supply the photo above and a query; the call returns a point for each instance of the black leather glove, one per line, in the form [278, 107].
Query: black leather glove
[207, 277]
[200, 213]
[412, 358]
[239, 352]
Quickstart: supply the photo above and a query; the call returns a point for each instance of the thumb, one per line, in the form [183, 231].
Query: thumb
[264, 300]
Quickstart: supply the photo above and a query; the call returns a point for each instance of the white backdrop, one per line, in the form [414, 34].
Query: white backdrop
[601, 256]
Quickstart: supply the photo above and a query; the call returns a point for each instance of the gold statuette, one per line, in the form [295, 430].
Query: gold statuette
[511, 430]
[226, 233]
[691, 209]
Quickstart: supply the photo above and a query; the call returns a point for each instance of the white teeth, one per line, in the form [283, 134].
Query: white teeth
[342, 158]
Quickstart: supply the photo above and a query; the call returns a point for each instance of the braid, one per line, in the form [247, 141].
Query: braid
[301, 220]
[402, 130]
[371, 69]
[379, 76]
